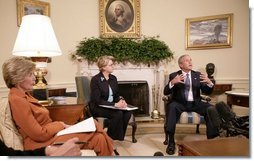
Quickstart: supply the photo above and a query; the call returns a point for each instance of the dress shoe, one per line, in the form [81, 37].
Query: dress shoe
[170, 149]
[158, 153]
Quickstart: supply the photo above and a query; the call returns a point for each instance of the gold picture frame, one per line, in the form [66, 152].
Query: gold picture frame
[209, 32]
[26, 7]
[119, 18]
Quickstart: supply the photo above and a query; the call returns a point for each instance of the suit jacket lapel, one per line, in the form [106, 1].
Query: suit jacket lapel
[104, 85]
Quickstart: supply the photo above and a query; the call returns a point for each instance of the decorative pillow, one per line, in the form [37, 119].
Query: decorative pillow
[8, 131]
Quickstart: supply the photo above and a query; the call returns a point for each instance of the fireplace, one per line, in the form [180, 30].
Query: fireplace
[136, 93]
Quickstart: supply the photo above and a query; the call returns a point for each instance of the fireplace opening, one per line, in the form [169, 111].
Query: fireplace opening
[136, 93]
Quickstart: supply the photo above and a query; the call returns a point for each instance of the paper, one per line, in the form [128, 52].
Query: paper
[83, 126]
[128, 108]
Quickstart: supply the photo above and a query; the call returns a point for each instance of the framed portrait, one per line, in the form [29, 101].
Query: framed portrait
[27, 7]
[209, 32]
[119, 18]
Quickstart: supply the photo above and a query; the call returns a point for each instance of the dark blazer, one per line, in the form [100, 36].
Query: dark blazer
[100, 90]
[177, 91]
[5, 151]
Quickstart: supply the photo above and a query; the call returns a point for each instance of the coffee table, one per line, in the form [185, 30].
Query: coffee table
[230, 146]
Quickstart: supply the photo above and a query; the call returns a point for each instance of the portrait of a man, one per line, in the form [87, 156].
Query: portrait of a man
[119, 15]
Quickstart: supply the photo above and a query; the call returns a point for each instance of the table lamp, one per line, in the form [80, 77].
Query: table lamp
[36, 39]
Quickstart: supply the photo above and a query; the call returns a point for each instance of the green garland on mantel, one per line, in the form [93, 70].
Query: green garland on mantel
[148, 50]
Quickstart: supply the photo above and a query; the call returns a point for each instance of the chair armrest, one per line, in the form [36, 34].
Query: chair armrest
[205, 98]
[166, 98]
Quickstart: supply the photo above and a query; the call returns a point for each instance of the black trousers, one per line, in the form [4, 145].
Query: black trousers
[175, 109]
[118, 121]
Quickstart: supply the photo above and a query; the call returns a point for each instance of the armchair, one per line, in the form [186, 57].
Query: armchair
[83, 91]
[186, 117]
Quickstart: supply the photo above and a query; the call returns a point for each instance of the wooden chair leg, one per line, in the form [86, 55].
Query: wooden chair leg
[133, 123]
[134, 128]
[197, 129]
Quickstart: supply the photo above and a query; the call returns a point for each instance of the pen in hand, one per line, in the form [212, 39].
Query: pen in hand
[61, 143]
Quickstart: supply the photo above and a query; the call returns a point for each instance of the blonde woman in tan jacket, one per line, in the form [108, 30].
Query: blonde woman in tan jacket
[33, 120]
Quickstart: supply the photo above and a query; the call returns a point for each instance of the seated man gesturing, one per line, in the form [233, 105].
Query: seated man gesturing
[184, 87]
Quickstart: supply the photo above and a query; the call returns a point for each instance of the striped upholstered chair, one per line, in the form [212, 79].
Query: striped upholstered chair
[186, 117]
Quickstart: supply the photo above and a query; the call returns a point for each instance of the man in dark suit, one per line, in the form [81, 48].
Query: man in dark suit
[184, 87]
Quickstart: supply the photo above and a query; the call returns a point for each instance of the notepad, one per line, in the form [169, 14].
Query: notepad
[83, 126]
[128, 108]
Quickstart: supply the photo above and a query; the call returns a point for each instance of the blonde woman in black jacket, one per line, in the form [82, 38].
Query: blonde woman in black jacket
[104, 91]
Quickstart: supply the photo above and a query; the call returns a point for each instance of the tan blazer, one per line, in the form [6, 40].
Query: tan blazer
[38, 130]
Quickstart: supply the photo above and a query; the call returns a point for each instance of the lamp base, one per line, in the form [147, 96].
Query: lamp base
[155, 114]
[40, 72]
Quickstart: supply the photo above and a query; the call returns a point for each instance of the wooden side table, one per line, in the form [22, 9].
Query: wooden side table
[239, 98]
[231, 146]
[70, 113]
[221, 88]
[42, 94]
[57, 92]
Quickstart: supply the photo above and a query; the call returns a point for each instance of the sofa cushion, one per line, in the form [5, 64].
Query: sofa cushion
[8, 131]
